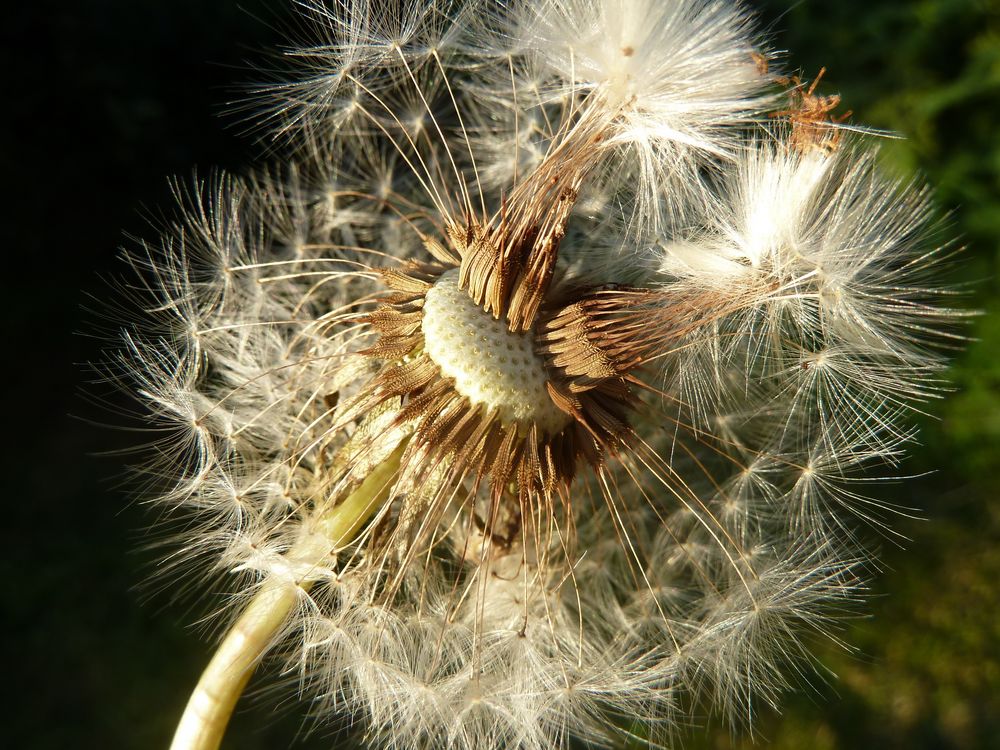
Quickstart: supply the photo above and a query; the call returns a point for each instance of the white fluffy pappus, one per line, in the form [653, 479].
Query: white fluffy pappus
[673, 71]
[840, 327]
[679, 78]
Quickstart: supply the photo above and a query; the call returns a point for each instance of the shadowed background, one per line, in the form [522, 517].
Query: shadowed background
[104, 99]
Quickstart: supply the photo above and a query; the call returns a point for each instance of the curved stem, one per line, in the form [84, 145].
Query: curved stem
[207, 713]
[213, 700]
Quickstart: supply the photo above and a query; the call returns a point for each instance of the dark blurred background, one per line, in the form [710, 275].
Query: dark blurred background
[105, 98]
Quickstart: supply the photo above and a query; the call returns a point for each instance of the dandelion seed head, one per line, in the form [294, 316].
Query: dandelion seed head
[536, 384]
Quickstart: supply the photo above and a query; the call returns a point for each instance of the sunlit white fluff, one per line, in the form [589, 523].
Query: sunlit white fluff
[675, 70]
[834, 326]
[349, 46]
[523, 663]
[676, 76]
[675, 79]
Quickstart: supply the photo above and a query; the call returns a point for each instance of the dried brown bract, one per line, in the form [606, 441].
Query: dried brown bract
[811, 118]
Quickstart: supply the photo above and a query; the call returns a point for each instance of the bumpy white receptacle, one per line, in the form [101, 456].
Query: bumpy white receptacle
[490, 365]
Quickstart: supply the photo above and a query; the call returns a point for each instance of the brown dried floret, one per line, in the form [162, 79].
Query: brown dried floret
[813, 125]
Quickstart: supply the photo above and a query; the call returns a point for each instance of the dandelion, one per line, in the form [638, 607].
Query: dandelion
[523, 404]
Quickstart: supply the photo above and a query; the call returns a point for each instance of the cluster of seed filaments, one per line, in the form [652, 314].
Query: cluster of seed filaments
[491, 366]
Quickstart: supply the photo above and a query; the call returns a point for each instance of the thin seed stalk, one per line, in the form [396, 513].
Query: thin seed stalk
[207, 713]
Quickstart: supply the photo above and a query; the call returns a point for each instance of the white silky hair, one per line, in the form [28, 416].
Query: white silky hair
[679, 78]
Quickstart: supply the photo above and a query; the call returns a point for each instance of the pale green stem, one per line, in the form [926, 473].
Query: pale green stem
[211, 704]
